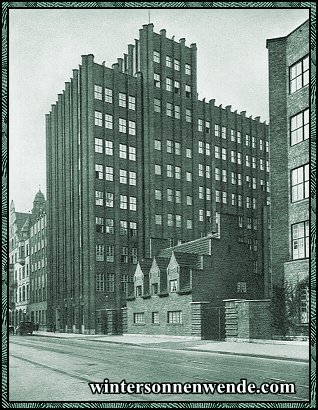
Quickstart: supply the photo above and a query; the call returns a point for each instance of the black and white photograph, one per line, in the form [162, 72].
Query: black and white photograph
[160, 204]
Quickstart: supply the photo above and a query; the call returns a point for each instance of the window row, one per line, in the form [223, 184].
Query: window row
[236, 199]
[125, 152]
[109, 255]
[107, 226]
[124, 100]
[172, 85]
[174, 317]
[125, 177]
[250, 223]
[171, 62]
[125, 202]
[172, 196]
[122, 123]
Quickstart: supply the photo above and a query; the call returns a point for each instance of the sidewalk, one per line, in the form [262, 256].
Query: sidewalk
[274, 349]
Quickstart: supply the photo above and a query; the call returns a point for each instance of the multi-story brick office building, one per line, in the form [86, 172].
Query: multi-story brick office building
[27, 256]
[289, 154]
[136, 163]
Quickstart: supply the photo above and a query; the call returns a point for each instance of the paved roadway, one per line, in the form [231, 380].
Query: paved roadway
[51, 369]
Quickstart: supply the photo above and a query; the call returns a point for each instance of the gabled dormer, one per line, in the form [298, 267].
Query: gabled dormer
[173, 275]
[141, 278]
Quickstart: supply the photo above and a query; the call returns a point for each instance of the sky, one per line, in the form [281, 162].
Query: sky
[45, 45]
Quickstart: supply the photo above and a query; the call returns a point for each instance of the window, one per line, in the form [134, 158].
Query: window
[158, 194]
[123, 228]
[157, 169]
[109, 173]
[188, 91]
[224, 154]
[188, 115]
[300, 183]
[239, 158]
[189, 223]
[132, 178]
[176, 64]
[200, 148]
[110, 253]
[123, 176]
[99, 174]
[169, 109]
[177, 87]
[249, 223]
[99, 253]
[208, 194]
[224, 133]
[133, 203]
[157, 145]
[157, 80]
[188, 153]
[261, 145]
[131, 127]
[239, 200]
[122, 100]
[99, 145]
[122, 125]
[178, 197]
[238, 137]
[168, 61]
[156, 56]
[157, 105]
[207, 149]
[233, 178]
[300, 240]
[240, 222]
[109, 200]
[253, 142]
[248, 202]
[304, 304]
[200, 170]
[169, 195]
[122, 151]
[108, 95]
[189, 200]
[138, 291]
[188, 176]
[247, 140]
[254, 183]
[170, 220]
[232, 135]
[217, 152]
[217, 174]
[131, 102]
[216, 130]
[110, 282]
[99, 197]
[139, 318]
[224, 175]
[133, 228]
[169, 170]
[109, 121]
[100, 282]
[224, 197]
[175, 317]
[177, 112]
[132, 153]
[169, 146]
[241, 287]
[98, 118]
[188, 69]
[158, 219]
[247, 160]
[233, 199]
[207, 171]
[155, 315]
[108, 147]
[253, 162]
[299, 127]
[168, 84]
[109, 225]
[201, 192]
[98, 92]
[99, 224]
[200, 125]
[261, 164]
[267, 146]
[178, 221]
[177, 148]
[299, 75]
[173, 285]
[177, 172]
[233, 156]
[217, 196]
[201, 215]
[124, 254]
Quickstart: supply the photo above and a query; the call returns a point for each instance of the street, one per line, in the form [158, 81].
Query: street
[52, 369]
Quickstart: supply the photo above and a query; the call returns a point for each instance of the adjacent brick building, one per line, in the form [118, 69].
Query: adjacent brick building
[137, 163]
[181, 291]
[289, 134]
